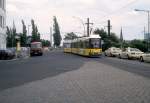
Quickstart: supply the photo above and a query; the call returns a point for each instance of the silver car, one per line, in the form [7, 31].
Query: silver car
[112, 52]
[145, 57]
[130, 53]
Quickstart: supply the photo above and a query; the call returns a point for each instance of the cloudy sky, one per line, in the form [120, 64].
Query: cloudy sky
[71, 14]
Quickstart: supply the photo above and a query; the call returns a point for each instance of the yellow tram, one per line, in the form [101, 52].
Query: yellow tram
[85, 46]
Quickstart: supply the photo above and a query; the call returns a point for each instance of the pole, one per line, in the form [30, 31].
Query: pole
[88, 26]
[109, 27]
[148, 32]
[51, 35]
[144, 34]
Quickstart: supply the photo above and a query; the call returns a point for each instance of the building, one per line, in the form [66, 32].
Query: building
[2, 24]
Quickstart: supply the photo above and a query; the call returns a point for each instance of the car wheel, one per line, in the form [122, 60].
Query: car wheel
[141, 59]
[110, 55]
[128, 57]
[31, 54]
[119, 56]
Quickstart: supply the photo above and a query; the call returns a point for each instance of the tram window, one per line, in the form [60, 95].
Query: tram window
[86, 44]
[80, 44]
[66, 45]
[95, 43]
[76, 44]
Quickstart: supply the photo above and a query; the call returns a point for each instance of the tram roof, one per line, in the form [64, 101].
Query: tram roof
[94, 36]
[83, 38]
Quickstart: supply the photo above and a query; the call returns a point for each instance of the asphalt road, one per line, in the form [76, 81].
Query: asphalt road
[65, 78]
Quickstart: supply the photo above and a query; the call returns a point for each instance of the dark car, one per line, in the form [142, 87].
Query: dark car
[6, 54]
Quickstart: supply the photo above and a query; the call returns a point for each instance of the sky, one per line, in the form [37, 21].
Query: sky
[72, 14]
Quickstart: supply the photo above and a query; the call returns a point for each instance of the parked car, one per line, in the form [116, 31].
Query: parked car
[113, 51]
[6, 54]
[145, 57]
[130, 53]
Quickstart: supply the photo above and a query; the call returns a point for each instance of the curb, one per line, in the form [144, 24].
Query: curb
[15, 59]
[9, 60]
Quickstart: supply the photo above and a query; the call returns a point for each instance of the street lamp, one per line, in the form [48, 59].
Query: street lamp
[81, 22]
[147, 11]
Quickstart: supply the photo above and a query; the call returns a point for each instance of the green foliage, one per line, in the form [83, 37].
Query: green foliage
[140, 44]
[45, 43]
[102, 33]
[9, 36]
[14, 33]
[70, 36]
[109, 41]
[113, 40]
[11, 33]
[23, 35]
[56, 34]
[35, 33]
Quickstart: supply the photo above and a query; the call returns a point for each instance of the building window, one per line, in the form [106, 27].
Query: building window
[2, 4]
[1, 21]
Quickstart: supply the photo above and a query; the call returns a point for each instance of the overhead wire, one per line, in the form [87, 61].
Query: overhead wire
[117, 11]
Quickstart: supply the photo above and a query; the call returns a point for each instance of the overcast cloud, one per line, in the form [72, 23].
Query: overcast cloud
[120, 12]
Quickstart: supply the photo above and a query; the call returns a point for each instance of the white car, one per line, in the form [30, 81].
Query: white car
[130, 53]
[113, 51]
[145, 57]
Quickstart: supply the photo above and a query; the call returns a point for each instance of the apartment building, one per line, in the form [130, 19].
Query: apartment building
[2, 24]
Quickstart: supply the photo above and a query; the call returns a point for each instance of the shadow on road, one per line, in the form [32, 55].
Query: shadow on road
[17, 73]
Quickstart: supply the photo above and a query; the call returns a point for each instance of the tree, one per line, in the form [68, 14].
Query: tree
[56, 35]
[38, 34]
[35, 33]
[101, 32]
[14, 33]
[140, 44]
[70, 36]
[109, 41]
[9, 37]
[121, 38]
[23, 35]
[46, 43]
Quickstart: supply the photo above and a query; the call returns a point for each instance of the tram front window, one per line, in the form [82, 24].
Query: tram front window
[95, 43]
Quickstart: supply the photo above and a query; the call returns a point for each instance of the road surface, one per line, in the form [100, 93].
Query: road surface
[65, 78]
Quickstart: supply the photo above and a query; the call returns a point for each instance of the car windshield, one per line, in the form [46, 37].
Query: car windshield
[117, 49]
[36, 45]
[134, 49]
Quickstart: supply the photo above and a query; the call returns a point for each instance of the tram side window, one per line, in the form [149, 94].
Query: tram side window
[66, 45]
[72, 45]
[76, 44]
[87, 44]
[80, 44]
